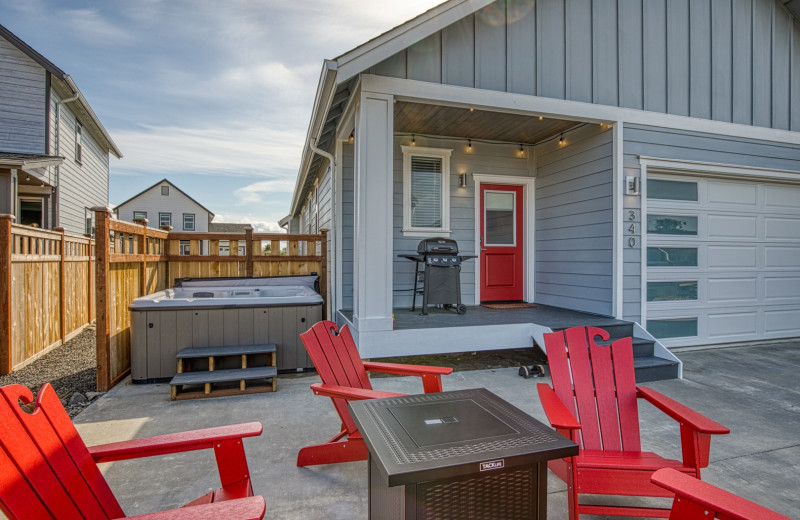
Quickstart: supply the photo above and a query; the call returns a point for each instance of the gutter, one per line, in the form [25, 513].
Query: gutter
[78, 96]
[322, 104]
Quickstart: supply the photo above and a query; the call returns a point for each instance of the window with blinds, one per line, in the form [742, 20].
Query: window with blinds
[426, 188]
[426, 192]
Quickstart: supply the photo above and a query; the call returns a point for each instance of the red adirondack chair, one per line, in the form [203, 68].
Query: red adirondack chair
[599, 412]
[698, 500]
[344, 378]
[48, 472]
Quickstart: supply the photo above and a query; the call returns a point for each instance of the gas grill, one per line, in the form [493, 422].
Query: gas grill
[439, 278]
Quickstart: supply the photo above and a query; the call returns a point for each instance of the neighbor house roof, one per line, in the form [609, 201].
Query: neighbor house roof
[64, 83]
[224, 227]
[26, 161]
[158, 184]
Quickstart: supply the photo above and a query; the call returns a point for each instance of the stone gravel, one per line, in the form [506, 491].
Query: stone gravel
[70, 368]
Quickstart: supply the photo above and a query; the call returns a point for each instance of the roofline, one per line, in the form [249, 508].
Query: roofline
[395, 40]
[346, 66]
[50, 67]
[39, 162]
[326, 88]
[171, 184]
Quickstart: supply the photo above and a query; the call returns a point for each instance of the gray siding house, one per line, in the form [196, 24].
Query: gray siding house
[164, 204]
[53, 149]
[632, 159]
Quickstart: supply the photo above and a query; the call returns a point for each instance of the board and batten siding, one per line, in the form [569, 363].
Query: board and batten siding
[485, 159]
[22, 101]
[176, 203]
[574, 237]
[724, 60]
[647, 141]
[348, 223]
[80, 185]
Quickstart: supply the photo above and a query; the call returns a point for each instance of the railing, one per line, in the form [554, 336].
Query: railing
[46, 291]
[134, 260]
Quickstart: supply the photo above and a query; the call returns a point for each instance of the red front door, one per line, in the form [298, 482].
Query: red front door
[501, 242]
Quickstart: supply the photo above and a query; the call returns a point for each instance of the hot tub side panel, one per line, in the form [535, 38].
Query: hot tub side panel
[158, 335]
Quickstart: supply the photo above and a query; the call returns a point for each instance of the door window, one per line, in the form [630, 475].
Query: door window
[499, 218]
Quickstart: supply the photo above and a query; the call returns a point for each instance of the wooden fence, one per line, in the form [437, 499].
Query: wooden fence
[134, 260]
[46, 291]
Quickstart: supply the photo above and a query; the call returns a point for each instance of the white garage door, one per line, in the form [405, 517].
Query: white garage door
[723, 260]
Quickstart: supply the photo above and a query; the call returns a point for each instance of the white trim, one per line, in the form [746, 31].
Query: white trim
[643, 242]
[420, 91]
[718, 169]
[395, 40]
[618, 293]
[528, 232]
[336, 231]
[436, 153]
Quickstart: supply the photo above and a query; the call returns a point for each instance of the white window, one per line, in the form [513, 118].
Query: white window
[164, 219]
[188, 221]
[78, 142]
[426, 191]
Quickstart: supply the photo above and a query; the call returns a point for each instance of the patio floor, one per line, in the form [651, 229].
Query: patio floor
[751, 389]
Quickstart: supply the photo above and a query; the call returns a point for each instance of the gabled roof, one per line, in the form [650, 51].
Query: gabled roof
[158, 184]
[338, 78]
[66, 83]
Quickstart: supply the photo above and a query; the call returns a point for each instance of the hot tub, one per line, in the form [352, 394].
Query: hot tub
[222, 312]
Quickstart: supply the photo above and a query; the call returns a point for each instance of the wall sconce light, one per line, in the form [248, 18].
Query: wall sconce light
[631, 185]
[463, 179]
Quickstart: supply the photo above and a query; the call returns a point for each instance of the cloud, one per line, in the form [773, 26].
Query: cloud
[91, 27]
[251, 150]
[255, 193]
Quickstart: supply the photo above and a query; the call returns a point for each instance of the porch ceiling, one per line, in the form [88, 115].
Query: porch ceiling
[419, 118]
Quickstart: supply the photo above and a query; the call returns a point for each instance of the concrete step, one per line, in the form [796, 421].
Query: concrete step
[654, 368]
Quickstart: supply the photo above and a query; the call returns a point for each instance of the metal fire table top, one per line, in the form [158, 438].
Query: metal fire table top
[419, 438]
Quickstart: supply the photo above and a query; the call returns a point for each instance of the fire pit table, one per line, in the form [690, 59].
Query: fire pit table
[458, 454]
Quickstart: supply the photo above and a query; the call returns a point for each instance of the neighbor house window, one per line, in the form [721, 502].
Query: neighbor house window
[139, 215]
[78, 143]
[185, 247]
[426, 190]
[164, 219]
[165, 190]
[188, 221]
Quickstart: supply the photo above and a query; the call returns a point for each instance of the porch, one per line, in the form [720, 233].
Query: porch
[483, 328]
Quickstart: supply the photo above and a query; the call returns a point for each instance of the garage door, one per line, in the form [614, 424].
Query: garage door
[722, 260]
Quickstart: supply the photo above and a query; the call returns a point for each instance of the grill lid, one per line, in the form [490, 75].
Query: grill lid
[438, 245]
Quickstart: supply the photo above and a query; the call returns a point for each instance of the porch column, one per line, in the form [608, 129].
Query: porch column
[372, 248]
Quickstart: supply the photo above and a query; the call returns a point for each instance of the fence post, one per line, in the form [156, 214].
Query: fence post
[323, 273]
[5, 294]
[248, 251]
[102, 217]
[168, 229]
[142, 251]
[62, 304]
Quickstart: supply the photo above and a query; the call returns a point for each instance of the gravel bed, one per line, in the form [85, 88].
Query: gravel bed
[70, 368]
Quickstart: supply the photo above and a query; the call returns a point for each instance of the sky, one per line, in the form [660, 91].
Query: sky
[214, 95]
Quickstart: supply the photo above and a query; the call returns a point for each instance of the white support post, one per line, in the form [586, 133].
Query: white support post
[373, 248]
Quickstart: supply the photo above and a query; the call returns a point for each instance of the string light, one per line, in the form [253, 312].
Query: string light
[561, 140]
[352, 137]
[413, 140]
[521, 150]
[541, 118]
[469, 145]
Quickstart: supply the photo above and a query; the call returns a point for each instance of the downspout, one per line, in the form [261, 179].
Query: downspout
[312, 144]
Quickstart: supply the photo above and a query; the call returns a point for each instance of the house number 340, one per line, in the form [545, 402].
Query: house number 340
[632, 227]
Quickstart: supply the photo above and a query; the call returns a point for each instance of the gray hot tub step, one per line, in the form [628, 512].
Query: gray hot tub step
[237, 350]
[208, 380]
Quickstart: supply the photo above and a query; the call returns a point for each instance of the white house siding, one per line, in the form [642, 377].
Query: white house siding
[649, 141]
[485, 159]
[574, 221]
[726, 60]
[348, 180]
[153, 202]
[22, 102]
[83, 185]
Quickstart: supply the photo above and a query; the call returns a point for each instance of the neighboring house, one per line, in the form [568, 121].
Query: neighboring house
[53, 149]
[164, 204]
[638, 160]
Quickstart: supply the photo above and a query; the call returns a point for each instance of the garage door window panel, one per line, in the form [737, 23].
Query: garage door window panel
[672, 328]
[672, 225]
[672, 257]
[671, 190]
[671, 291]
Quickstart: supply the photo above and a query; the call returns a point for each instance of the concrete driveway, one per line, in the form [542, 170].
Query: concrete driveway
[751, 389]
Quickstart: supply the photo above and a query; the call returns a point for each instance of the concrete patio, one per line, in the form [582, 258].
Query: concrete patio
[751, 389]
